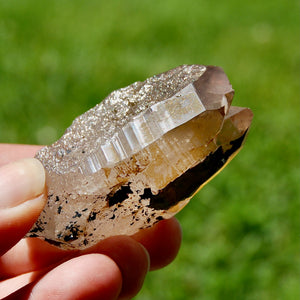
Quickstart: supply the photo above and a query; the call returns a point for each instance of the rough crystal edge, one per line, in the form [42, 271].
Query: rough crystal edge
[207, 76]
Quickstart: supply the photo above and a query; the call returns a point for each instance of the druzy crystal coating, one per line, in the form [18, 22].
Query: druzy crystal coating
[139, 156]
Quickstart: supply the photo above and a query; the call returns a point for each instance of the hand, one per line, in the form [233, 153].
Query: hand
[30, 268]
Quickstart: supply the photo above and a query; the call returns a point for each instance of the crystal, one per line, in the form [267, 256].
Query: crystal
[139, 156]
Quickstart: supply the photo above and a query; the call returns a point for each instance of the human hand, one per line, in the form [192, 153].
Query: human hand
[30, 268]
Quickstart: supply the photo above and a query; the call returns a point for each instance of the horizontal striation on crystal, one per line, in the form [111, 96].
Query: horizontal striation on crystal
[139, 156]
[144, 129]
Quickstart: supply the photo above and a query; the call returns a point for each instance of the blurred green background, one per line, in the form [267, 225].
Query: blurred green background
[241, 232]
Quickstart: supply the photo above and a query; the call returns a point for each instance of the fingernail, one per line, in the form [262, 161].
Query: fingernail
[20, 181]
[148, 256]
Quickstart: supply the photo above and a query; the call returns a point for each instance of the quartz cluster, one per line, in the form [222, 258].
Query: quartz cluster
[139, 156]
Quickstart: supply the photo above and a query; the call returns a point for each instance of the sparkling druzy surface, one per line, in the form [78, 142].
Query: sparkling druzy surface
[139, 156]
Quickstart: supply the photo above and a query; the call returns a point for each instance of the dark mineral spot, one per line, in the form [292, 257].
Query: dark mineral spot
[74, 230]
[77, 215]
[92, 216]
[33, 235]
[38, 227]
[147, 194]
[54, 243]
[119, 196]
[59, 209]
[69, 237]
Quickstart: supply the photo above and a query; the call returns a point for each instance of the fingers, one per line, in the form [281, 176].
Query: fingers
[116, 271]
[22, 185]
[21, 201]
[132, 259]
[28, 255]
[12, 152]
[129, 256]
[84, 277]
[92, 276]
[162, 242]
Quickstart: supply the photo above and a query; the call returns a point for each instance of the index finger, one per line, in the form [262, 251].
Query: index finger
[12, 152]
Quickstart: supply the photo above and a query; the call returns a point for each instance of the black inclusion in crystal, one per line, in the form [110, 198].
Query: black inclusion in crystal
[189, 182]
[119, 196]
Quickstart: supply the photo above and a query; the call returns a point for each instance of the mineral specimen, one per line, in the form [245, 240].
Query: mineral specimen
[139, 156]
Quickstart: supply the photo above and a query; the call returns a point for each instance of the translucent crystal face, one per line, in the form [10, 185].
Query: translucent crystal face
[144, 129]
[139, 156]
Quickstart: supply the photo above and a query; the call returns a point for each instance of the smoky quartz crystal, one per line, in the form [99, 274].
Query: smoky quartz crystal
[139, 156]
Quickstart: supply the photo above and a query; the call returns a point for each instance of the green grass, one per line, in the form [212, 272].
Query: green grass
[59, 58]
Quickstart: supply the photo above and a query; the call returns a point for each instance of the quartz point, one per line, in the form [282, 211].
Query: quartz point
[139, 156]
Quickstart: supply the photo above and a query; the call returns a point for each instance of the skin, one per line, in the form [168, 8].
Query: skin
[33, 269]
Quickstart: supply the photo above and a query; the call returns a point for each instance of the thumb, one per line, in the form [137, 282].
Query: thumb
[22, 197]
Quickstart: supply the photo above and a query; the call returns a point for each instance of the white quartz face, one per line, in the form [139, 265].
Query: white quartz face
[139, 156]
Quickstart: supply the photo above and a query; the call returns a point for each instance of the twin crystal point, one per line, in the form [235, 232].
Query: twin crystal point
[139, 156]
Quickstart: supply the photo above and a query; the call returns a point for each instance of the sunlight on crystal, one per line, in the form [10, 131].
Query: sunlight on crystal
[138, 156]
